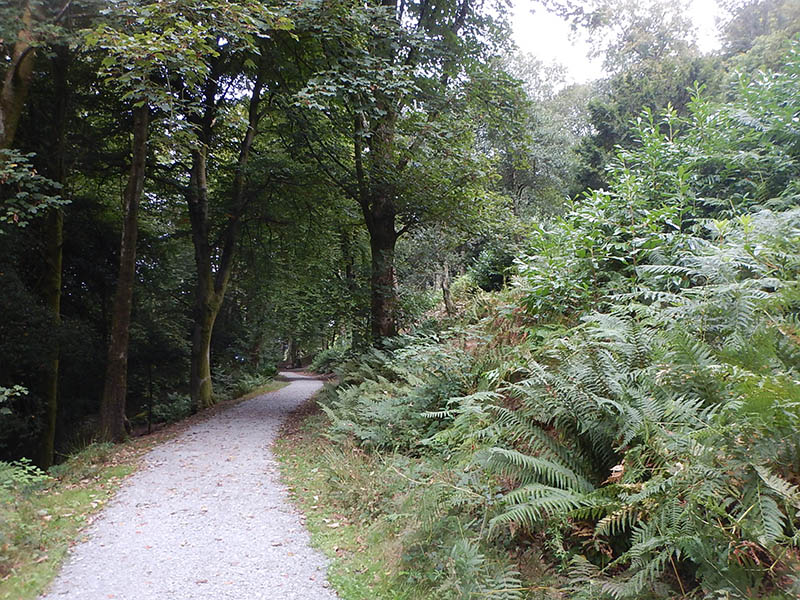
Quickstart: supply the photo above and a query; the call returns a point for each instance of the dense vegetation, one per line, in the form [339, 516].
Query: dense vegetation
[564, 319]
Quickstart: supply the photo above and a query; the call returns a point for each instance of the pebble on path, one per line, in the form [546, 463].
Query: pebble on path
[205, 518]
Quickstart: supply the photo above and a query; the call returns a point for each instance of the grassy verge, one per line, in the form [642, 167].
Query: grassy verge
[340, 525]
[42, 516]
[272, 386]
[41, 519]
[399, 527]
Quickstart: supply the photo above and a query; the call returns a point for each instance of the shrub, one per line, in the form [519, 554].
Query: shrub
[327, 360]
[176, 408]
[384, 395]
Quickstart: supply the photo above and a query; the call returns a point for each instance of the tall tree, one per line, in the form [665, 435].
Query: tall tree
[213, 276]
[136, 57]
[649, 51]
[398, 74]
[234, 42]
[30, 25]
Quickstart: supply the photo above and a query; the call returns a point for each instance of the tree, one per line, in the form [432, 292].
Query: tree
[137, 60]
[18, 74]
[35, 24]
[748, 20]
[650, 54]
[399, 79]
[233, 74]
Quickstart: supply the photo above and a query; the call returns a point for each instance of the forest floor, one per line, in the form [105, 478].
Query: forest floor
[206, 517]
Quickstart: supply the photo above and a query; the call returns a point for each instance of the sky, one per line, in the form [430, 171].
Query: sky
[548, 37]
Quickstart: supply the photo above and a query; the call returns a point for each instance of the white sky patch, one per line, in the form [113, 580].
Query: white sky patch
[548, 37]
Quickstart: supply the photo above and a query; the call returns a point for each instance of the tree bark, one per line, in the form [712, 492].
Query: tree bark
[51, 292]
[380, 214]
[448, 300]
[205, 314]
[382, 242]
[112, 406]
[17, 80]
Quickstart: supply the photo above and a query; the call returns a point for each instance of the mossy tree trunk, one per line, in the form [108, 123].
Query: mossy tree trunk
[53, 259]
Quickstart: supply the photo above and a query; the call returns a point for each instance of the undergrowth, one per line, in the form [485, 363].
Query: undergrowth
[627, 414]
[396, 526]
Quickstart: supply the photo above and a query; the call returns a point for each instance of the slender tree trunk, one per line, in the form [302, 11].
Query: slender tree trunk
[17, 80]
[448, 300]
[358, 334]
[51, 292]
[292, 354]
[112, 407]
[53, 259]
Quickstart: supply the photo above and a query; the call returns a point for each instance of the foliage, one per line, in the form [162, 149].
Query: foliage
[24, 193]
[631, 405]
[21, 475]
[326, 360]
[175, 408]
[391, 523]
[384, 394]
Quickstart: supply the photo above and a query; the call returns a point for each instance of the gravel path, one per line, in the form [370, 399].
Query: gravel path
[205, 518]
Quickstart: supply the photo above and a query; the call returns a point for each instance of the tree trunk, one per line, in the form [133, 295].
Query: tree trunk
[53, 259]
[17, 80]
[380, 215]
[112, 407]
[51, 293]
[356, 313]
[448, 300]
[212, 284]
[292, 354]
[205, 305]
[205, 314]
[383, 304]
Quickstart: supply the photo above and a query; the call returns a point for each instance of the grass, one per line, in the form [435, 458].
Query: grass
[320, 477]
[272, 386]
[39, 522]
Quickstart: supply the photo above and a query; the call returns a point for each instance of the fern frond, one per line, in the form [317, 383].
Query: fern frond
[533, 503]
[787, 491]
[621, 520]
[534, 469]
[771, 519]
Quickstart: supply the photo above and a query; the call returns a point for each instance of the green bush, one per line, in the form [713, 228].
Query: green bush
[175, 408]
[327, 360]
[384, 394]
[21, 475]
